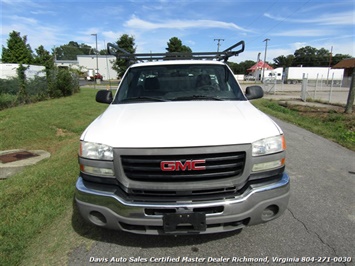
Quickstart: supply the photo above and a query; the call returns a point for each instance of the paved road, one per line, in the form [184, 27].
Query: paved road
[320, 220]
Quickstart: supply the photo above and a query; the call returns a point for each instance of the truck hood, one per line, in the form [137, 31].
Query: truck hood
[180, 124]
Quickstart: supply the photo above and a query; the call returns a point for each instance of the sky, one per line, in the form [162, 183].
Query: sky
[201, 25]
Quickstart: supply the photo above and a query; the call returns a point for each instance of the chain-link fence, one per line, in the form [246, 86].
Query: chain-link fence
[57, 83]
[327, 91]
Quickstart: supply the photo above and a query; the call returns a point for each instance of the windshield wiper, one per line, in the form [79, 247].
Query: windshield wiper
[197, 97]
[143, 98]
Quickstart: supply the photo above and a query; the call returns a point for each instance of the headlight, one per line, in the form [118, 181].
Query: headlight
[268, 145]
[96, 151]
[268, 165]
[107, 172]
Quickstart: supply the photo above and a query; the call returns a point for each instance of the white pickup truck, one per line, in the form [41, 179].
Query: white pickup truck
[181, 150]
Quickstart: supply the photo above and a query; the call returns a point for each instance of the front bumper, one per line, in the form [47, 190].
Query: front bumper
[258, 204]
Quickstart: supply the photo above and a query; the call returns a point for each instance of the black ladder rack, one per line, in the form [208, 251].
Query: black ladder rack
[120, 53]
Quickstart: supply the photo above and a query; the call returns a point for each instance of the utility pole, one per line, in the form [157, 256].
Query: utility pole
[219, 43]
[330, 56]
[263, 69]
[97, 56]
[330, 63]
[351, 96]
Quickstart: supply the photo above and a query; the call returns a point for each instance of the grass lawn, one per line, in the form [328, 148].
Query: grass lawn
[34, 199]
[38, 225]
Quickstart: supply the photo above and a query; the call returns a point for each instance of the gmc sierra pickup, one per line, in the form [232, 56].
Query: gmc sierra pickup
[181, 150]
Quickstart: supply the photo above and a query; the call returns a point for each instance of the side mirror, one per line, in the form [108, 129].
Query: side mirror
[104, 96]
[254, 92]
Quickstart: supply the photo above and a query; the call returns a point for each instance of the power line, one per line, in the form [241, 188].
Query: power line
[269, 7]
[295, 12]
[281, 21]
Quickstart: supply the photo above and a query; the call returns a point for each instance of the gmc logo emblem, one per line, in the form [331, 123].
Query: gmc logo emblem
[194, 165]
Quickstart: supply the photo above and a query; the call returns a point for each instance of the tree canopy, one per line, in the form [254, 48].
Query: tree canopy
[43, 58]
[242, 67]
[71, 50]
[283, 61]
[309, 57]
[175, 45]
[17, 50]
[127, 43]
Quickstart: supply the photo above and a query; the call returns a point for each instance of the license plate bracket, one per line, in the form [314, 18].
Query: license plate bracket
[190, 222]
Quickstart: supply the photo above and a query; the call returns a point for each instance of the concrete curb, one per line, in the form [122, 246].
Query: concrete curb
[9, 169]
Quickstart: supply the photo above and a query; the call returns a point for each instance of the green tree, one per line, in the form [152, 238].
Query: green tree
[44, 58]
[305, 56]
[234, 67]
[71, 50]
[312, 57]
[22, 96]
[245, 65]
[17, 50]
[283, 61]
[62, 82]
[242, 67]
[103, 52]
[86, 49]
[175, 45]
[127, 43]
[322, 57]
[67, 51]
[338, 57]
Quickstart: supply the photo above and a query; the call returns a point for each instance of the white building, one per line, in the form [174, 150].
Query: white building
[104, 64]
[84, 63]
[67, 63]
[8, 71]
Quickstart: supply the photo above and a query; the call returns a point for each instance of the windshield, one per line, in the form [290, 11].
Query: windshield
[179, 83]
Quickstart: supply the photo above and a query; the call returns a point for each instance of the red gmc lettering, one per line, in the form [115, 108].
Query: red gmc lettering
[180, 166]
[195, 167]
[167, 166]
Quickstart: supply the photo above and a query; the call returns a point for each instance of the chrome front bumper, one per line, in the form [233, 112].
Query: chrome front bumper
[258, 204]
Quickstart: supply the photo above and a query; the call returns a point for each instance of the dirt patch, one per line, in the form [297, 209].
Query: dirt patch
[318, 109]
[327, 113]
[59, 132]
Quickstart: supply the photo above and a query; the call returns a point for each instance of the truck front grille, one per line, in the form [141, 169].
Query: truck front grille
[180, 168]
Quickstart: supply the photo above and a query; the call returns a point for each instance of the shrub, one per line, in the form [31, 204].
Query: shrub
[62, 82]
[7, 100]
[59, 82]
[37, 88]
[9, 86]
